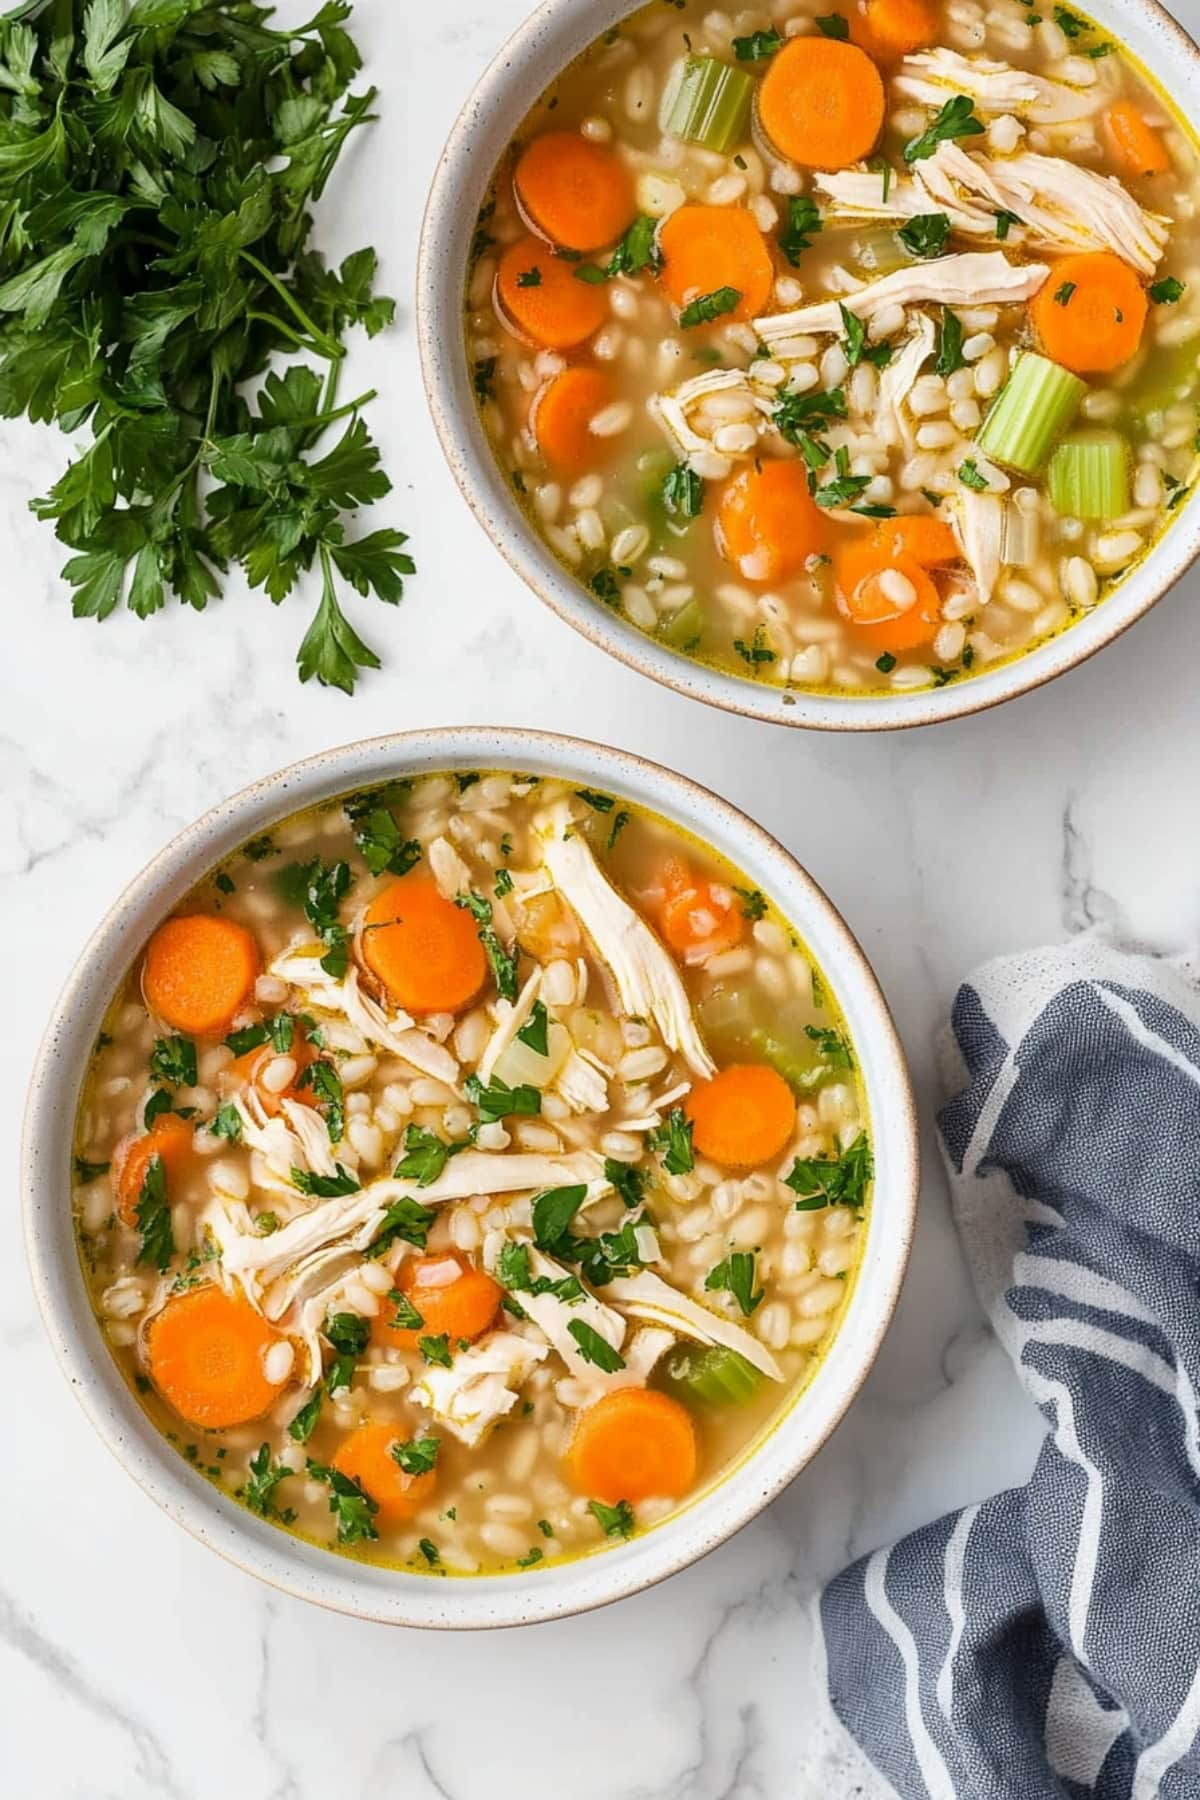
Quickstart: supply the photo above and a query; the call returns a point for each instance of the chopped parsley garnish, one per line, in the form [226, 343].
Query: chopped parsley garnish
[833, 25]
[614, 1521]
[674, 1138]
[259, 1490]
[503, 966]
[638, 250]
[266, 1223]
[970, 477]
[834, 1049]
[601, 803]
[605, 586]
[484, 377]
[845, 488]
[436, 1349]
[498, 1101]
[535, 1033]
[707, 307]
[425, 1156]
[532, 1555]
[1004, 221]
[757, 46]
[757, 650]
[593, 1348]
[754, 902]
[383, 845]
[629, 1181]
[545, 1527]
[949, 344]
[683, 492]
[832, 1181]
[304, 1423]
[1167, 291]
[735, 1275]
[553, 1212]
[418, 1455]
[854, 344]
[503, 883]
[955, 120]
[620, 821]
[926, 234]
[885, 663]
[227, 1123]
[323, 1080]
[405, 1316]
[173, 1060]
[320, 888]
[530, 278]
[406, 1220]
[153, 1216]
[1069, 24]
[801, 226]
[326, 1187]
[1062, 295]
[224, 883]
[353, 1509]
[349, 1333]
[259, 849]
[429, 1551]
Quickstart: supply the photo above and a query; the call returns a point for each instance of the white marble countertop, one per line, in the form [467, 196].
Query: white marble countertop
[135, 1663]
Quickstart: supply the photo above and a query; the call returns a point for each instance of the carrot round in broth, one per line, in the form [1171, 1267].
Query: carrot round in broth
[888, 598]
[768, 524]
[424, 949]
[1089, 312]
[207, 1358]
[451, 1296]
[541, 300]
[199, 971]
[1138, 145]
[928, 541]
[821, 103]
[695, 917]
[576, 193]
[366, 1457]
[705, 248]
[633, 1445]
[890, 29]
[562, 416]
[743, 1116]
[170, 1138]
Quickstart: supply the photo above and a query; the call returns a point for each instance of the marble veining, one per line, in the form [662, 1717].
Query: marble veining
[135, 1664]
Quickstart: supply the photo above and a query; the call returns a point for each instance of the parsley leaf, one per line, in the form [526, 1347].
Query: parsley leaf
[754, 903]
[173, 1060]
[436, 1349]
[638, 250]
[499, 1101]
[736, 1276]
[950, 342]
[259, 1490]
[757, 46]
[1167, 291]
[593, 1348]
[614, 1521]
[553, 1212]
[926, 234]
[503, 966]
[535, 1033]
[674, 1138]
[629, 1181]
[707, 307]
[323, 1080]
[683, 492]
[970, 477]
[956, 119]
[425, 1156]
[833, 25]
[406, 1220]
[405, 1316]
[326, 1187]
[418, 1455]
[839, 1180]
[227, 1123]
[384, 847]
[153, 1216]
[353, 1509]
[304, 1423]
[800, 228]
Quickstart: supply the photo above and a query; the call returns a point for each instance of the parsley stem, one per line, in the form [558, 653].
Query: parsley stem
[333, 351]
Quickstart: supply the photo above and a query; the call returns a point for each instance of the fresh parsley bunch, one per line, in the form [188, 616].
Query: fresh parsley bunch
[158, 165]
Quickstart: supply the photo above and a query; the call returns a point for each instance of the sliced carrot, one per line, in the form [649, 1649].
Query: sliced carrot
[885, 621]
[199, 971]
[768, 524]
[169, 1138]
[366, 1457]
[927, 540]
[576, 193]
[451, 1296]
[538, 296]
[207, 1354]
[698, 918]
[424, 949]
[246, 1071]
[890, 29]
[743, 1116]
[709, 247]
[635, 1444]
[1089, 312]
[821, 103]
[562, 415]
[1138, 145]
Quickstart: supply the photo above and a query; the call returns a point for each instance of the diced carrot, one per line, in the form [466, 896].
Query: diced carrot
[1138, 145]
[698, 918]
[424, 949]
[768, 524]
[539, 298]
[366, 1457]
[576, 193]
[743, 1116]
[709, 247]
[890, 29]
[887, 621]
[449, 1293]
[634, 1444]
[1089, 312]
[927, 540]
[207, 1353]
[245, 1071]
[562, 415]
[821, 103]
[169, 1138]
[199, 971]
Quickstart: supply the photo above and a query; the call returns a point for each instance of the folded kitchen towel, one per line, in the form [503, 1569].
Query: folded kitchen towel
[1047, 1642]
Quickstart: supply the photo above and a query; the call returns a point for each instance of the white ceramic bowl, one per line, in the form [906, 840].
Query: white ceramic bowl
[555, 33]
[306, 1570]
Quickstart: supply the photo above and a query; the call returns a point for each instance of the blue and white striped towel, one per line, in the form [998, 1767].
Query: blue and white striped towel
[1047, 1642]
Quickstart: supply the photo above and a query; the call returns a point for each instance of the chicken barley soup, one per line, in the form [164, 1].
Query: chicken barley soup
[850, 349]
[470, 1171]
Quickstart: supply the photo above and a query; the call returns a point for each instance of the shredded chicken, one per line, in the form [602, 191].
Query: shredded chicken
[935, 76]
[673, 410]
[978, 521]
[975, 278]
[510, 1021]
[480, 1387]
[450, 872]
[647, 980]
[642, 1351]
[554, 1317]
[647, 1296]
[898, 379]
[300, 967]
[583, 1084]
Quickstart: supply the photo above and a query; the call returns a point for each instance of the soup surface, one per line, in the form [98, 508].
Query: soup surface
[849, 349]
[470, 1171]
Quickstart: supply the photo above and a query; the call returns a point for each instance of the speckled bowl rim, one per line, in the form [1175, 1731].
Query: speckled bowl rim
[556, 32]
[302, 1569]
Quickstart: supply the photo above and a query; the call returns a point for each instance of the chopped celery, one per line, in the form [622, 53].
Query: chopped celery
[1036, 402]
[1169, 376]
[685, 628]
[714, 1377]
[706, 102]
[1088, 477]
